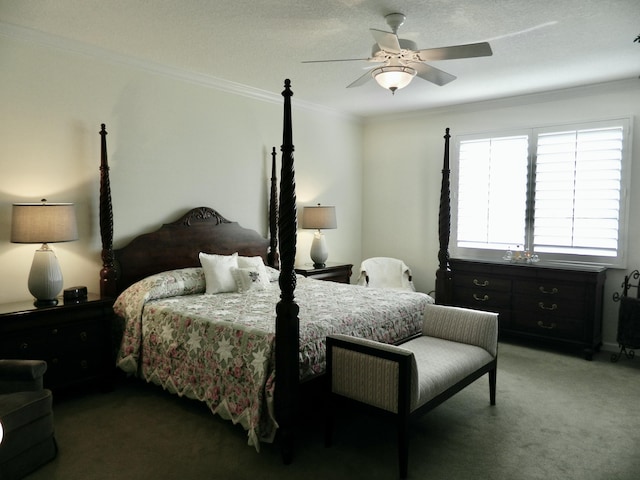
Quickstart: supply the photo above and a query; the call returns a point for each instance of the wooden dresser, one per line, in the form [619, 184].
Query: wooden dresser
[74, 338]
[552, 303]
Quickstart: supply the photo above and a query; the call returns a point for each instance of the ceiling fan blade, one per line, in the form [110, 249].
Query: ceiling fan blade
[361, 80]
[338, 60]
[432, 74]
[482, 49]
[386, 40]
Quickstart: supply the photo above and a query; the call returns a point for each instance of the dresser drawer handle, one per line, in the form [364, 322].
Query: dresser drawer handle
[478, 283]
[83, 336]
[24, 346]
[548, 327]
[553, 291]
[84, 365]
[544, 307]
[477, 297]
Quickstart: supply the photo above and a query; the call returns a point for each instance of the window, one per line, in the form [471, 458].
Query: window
[558, 192]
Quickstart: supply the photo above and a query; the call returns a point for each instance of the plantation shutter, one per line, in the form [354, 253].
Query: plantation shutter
[578, 191]
[492, 192]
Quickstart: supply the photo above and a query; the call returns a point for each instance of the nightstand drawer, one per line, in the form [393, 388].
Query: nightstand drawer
[51, 339]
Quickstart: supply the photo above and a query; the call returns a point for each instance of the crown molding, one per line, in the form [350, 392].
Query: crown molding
[78, 48]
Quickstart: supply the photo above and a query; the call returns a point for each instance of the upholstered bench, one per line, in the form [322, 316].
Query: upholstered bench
[457, 346]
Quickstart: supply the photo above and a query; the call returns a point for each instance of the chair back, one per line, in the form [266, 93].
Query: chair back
[385, 272]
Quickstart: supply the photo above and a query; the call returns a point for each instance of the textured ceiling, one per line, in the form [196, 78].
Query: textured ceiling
[538, 45]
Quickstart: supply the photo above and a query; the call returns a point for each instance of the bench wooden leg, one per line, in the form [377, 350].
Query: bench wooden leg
[403, 445]
[493, 373]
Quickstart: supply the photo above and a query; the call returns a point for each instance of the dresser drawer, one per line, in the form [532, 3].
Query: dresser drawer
[481, 299]
[482, 282]
[548, 306]
[552, 326]
[549, 289]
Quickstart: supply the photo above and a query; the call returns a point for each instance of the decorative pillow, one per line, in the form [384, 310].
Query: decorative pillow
[253, 262]
[250, 278]
[217, 272]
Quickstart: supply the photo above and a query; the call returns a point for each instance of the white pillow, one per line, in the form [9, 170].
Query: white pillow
[217, 272]
[253, 262]
[250, 278]
[274, 274]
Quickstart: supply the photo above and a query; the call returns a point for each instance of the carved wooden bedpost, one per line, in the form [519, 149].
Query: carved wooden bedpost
[287, 321]
[443, 274]
[273, 256]
[108, 272]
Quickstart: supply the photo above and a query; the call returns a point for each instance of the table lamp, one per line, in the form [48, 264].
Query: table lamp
[44, 223]
[319, 217]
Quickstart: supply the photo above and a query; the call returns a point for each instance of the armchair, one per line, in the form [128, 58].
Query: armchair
[26, 418]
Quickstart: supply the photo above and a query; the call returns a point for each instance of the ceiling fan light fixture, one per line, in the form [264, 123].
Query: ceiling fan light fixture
[393, 77]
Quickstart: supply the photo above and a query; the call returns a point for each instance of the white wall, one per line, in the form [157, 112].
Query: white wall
[173, 144]
[403, 161]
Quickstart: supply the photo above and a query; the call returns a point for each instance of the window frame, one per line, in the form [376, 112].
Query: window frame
[620, 261]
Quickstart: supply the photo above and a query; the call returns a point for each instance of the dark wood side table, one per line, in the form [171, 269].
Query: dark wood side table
[74, 338]
[334, 272]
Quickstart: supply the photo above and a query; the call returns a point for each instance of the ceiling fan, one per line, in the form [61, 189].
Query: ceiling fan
[403, 61]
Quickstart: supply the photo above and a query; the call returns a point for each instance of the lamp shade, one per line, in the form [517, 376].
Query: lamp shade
[319, 216]
[43, 223]
[393, 77]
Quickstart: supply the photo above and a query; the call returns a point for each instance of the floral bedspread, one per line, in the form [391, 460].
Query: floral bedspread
[219, 348]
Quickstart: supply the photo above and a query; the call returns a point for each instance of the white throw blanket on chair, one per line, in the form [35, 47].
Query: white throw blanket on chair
[385, 272]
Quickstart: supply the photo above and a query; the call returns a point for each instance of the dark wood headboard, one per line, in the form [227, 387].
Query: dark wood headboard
[177, 245]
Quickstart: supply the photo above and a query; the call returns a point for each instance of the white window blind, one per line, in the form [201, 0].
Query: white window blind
[578, 192]
[492, 189]
[558, 192]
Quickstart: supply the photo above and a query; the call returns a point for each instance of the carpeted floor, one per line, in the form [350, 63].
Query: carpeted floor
[557, 416]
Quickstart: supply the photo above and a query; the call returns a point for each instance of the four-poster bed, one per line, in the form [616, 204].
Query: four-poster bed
[157, 273]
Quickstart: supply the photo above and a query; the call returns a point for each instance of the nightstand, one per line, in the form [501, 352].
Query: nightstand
[74, 338]
[334, 272]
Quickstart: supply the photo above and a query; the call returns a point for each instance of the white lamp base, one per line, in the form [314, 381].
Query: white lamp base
[319, 253]
[45, 277]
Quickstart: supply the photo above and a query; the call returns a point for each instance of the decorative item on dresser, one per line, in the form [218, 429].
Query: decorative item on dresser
[73, 337]
[552, 303]
[334, 272]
